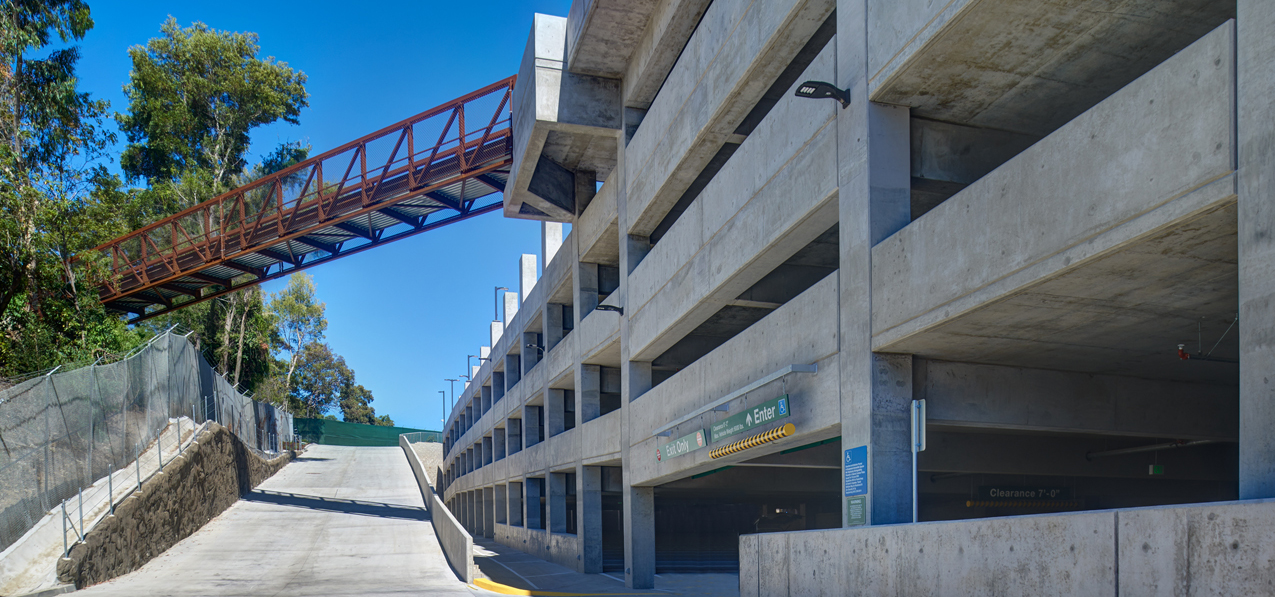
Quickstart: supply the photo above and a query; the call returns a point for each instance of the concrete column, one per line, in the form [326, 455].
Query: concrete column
[497, 386]
[470, 519]
[874, 202]
[502, 504]
[1256, 101]
[638, 515]
[513, 371]
[550, 241]
[511, 309]
[554, 411]
[639, 246]
[588, 392]
[480, 530]
[557, 510]
[530, 356]
[526, 275]
[479, 451]
[535, 490]
[488, 453]
[470, 415]
[552, 325]
[489, 512]
[531, 425]
[586, 290]
[516, 517]
[586, 188]
[497, 329]
[498, 443]
[513, 428]
[589, 517]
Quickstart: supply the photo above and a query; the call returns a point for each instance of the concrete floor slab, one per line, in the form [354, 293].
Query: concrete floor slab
[337, 521]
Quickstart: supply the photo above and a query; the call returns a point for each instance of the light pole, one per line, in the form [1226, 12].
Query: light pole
[453, 390]
[446, 410]
[495, 307]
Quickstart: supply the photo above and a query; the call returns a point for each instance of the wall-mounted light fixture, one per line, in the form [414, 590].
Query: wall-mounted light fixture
[536, 347]
[619, 310]
[822, 90]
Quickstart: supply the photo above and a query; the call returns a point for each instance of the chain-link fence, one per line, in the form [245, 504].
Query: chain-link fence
[64, 430]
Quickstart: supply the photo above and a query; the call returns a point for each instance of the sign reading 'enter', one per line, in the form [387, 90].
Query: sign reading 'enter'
[766, 412]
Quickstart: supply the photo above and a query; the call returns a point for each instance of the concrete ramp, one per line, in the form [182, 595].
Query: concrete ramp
[336, 521]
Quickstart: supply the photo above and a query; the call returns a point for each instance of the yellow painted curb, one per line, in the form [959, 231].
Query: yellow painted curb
[496, 587]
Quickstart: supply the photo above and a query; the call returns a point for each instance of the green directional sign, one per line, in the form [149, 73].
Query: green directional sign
[762, 414]
[682, 445]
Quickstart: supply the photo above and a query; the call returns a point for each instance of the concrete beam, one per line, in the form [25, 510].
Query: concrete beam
[970, 395]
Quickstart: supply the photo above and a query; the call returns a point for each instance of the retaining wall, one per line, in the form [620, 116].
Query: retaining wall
[1220, 549]
[209, 476]
[457, 544]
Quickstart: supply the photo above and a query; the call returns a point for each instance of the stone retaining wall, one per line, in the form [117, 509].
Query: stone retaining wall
[206, 479]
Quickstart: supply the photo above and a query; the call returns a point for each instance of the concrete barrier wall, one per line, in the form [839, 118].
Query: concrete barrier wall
[559, 548]
[457, 544]
[1218, 549]
[774, 195]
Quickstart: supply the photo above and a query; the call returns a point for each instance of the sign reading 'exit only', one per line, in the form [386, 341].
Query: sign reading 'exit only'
[766, 412]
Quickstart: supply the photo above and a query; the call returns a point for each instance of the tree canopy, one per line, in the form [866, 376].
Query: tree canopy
[194, 95]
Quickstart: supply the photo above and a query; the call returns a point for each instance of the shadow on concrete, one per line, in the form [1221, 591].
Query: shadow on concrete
[356, 507]
[309, 459]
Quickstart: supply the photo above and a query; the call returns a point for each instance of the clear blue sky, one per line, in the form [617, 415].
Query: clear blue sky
[404, 315]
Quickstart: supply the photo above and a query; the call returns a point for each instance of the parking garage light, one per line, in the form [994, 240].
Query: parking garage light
[822, 90]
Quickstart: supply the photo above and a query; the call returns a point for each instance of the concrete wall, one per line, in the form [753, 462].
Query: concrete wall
[1143, 158]
[735, 54]
[208, 477]
[560, 548]
[770, 200]
[798, 332]
[457, 544]
[1215, 549]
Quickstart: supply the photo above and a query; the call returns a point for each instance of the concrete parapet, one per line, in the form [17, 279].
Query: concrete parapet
[1165, 550]
[457, 544]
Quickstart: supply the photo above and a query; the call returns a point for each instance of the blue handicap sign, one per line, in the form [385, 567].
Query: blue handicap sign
[856, 471]
[783, 406]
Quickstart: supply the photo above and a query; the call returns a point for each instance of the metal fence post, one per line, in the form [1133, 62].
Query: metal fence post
[159, 450]
[110, 488]
[138, 462]
[65, 550]
[81, 531]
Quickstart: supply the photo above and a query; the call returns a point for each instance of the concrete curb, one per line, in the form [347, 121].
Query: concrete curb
[58, 590]
[495, 587]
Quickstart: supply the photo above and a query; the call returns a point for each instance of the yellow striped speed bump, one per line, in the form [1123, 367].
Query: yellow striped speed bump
[754, 441]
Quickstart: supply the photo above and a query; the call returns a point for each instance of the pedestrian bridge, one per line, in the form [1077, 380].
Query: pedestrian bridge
[430, 170]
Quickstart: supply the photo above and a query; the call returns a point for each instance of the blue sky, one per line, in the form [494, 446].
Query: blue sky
[404, 315]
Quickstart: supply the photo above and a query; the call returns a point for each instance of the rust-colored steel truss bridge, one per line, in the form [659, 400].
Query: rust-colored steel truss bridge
[419, 174]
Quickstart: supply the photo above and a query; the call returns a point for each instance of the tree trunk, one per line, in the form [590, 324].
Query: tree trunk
[243, 321]
[225, 336]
